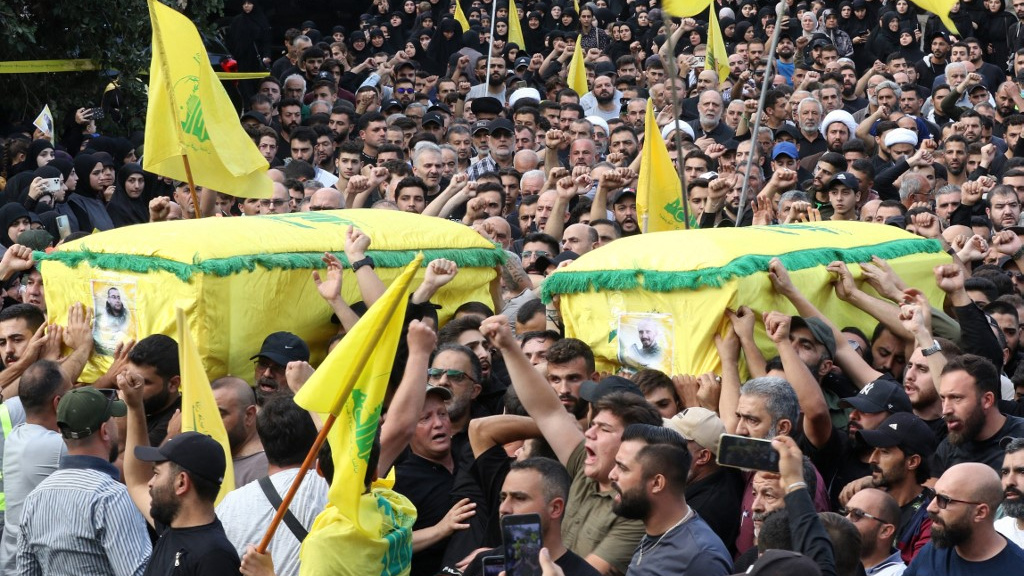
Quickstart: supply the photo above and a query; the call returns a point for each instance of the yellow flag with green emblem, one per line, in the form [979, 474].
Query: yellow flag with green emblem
[199, 411]
[940, 8]
[577, 78]
[190, 117]
[351, 382]
[659, 192]
[359, 532]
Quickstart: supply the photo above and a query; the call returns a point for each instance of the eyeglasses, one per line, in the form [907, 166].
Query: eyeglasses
[942, 501]
[454, 376]
[856, 514]
[405, 90]
[537, 253]
[263, 365]
[267, 203]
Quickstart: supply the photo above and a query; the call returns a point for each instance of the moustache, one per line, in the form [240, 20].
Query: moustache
[1013, 492]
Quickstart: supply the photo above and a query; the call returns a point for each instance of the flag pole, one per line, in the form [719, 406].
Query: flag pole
[780, 12]
[490, 49]
[294, 488]
[191, 186]
[673, 75]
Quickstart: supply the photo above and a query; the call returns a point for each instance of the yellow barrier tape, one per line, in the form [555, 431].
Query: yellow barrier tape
[37, 66]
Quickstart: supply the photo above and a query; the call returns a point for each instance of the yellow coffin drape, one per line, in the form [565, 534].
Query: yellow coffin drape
[658, 299]
[240, 279]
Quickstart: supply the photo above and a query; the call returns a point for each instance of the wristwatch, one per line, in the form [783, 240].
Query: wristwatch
[935, 348]
[368, 261]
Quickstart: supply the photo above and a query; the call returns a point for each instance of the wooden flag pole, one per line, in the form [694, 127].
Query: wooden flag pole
[287, 500]
[191, 187]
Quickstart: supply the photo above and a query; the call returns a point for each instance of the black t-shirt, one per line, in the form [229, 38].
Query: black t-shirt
[197, 551]
[570, 563]
[429, 486]
[157, 423]
[718, 499]
[838, 462]
[987, 451]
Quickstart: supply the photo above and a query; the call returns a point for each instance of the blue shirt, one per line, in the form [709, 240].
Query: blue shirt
[690, 548]
[946, 562]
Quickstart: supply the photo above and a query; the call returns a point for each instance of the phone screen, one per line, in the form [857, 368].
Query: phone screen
[521, 538]
[747, 453]
[493, 565]
[63, 226]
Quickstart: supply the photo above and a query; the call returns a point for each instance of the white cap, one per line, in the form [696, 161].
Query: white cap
[676, 125]
[900, 136]
[598, 121]
[523, 93]
[840, 116]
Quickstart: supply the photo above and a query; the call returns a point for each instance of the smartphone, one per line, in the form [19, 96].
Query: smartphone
[51, 185]
[698, 62]
[97, 114]
[492, 565]
[747, 453]
[63, 226]
[521, 539]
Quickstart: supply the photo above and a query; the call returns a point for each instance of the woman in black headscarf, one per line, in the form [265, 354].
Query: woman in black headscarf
[40, 153]
[446, 40]
[14, 219]
[885, 39]
[37, 195]
[130, 203]
[620, 47]
[909, 47]
[569, 21]
[533, 33]
[86, 202]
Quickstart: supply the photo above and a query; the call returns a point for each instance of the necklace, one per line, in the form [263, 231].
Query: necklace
[689, 514]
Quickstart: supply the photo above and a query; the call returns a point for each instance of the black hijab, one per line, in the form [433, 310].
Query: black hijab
[9, 214]
[123, 209]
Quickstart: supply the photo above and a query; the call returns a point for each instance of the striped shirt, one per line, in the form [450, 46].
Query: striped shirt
[81, 521]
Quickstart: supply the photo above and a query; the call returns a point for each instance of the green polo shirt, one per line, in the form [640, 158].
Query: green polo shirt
[590, 526]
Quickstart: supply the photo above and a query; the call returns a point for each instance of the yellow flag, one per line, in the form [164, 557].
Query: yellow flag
[577, 77]
[460, 16]
[659, 193]
[351, 382]
[515, 29]
[199, 411]
[190, 115]
[684, 8]
[940, 8]
[717, 57]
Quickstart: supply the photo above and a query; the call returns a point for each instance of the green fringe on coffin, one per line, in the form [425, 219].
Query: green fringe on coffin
[570, 282]
[464, 257]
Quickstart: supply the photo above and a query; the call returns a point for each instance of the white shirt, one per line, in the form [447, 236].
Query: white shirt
[1007, 526]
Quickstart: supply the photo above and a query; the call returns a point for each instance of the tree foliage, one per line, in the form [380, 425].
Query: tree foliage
[113, 33]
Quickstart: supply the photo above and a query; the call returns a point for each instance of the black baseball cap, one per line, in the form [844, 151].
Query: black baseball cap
[614, 197]
[845, 179]
[593, 391]
[902, 430]
[432, 118]
[392, 104]
[81, 411]
[481, 126]
[500, 124]
[881, 395]
[197, 453]
[282, 348]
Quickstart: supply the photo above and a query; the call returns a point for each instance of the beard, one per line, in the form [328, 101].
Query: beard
[604, 99]
[163, 507]
[948, 536]
[116, 312]
[886, 479]
[632, 505]
[972, 425]
[785, 53]
[157, 401]
[1014, 508]
[273, 389]
[495, 79]
[458, 407]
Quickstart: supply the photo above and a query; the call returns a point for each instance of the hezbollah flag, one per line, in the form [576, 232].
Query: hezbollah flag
[515, 27]
[577, 77]
[190, 118]
[684, 8]
[717, 56]
[360, 533]
[659, 193]
[460, 16]
[199, 411]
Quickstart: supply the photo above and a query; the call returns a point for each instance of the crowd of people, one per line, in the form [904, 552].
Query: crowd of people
[899, 452]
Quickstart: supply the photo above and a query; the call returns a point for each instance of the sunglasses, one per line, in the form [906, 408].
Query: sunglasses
[405, 90]
[454, 376]
[537, 253]
[856, 514]
[942, 501]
